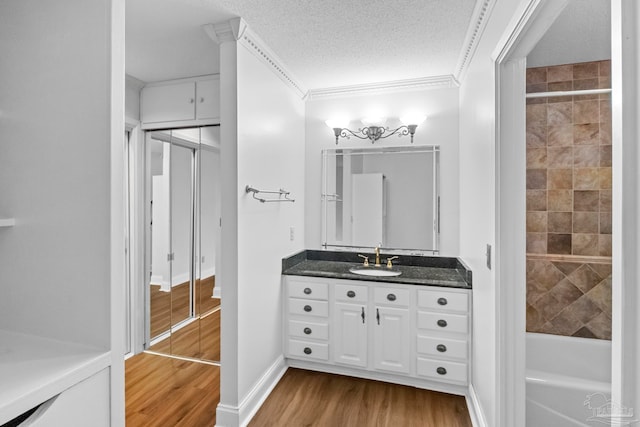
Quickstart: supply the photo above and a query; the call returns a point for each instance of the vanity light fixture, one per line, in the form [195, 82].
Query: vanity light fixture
[374, 129]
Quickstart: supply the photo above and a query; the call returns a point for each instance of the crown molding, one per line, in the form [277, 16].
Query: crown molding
[236, 29]
[434, 82]
[477, 25]
[259, 48]
[227, 31]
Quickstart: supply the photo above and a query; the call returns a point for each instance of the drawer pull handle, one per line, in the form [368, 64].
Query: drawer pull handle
[442, 323]
[307, 331]
[441, 348]
[441, 371]
[308, 308]
[442, 301]
[307, 350]
[351, 294]
[307, 291]
[391, 297]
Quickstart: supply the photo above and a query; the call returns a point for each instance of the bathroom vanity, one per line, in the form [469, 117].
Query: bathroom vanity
[407, 323]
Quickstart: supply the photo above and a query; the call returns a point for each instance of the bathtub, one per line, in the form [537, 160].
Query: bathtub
[568, 381]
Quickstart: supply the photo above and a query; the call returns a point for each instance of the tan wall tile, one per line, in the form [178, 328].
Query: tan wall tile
[560, 73]
[537, 222]
[586, 200]
[600, 295]
[605, 222]
[559, 179]
[605, 176]
[560, 135]
[559, 222]
[586, 134]
[560, 157]
[605, 133]
[560, 113]
[605, 155]
[559, 243]
[605, 68]
[560, 200]
[536, 179]
[586, 222]
[536, 158]
[605, 201]
[601, 326]
[536, 75]
[587, 155]
[585, 244]
[586, 179]
[604, 245]
[586, 112]
[585, 278]
[585, 70]
[537, 243]
[536, 200]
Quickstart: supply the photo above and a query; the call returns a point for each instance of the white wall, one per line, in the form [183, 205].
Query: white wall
[440, 128]
[270, 156]
[478, 205]
[55, 124]
[262, 145]
[132, 98]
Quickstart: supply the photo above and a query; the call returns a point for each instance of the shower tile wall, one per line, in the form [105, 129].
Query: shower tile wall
[569, 201]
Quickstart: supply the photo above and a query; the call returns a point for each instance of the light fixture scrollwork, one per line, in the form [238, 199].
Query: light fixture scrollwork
[374, 132]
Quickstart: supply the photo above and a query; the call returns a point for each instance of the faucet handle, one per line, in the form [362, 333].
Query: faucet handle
[389, 264]
[366, 260]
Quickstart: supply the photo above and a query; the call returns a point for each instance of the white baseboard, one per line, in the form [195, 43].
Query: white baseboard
[217, 292]
[475, 409]
[231, 416]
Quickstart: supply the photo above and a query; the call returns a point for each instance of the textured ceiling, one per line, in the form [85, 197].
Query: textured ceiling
[323, 43]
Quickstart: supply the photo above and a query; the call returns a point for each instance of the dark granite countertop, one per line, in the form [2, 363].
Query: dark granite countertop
[416, 270]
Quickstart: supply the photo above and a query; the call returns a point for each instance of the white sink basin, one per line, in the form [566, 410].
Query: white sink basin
[379, 272]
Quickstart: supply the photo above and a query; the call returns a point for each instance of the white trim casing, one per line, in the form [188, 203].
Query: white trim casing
[531, 21]
[229, 416]
[625, 79]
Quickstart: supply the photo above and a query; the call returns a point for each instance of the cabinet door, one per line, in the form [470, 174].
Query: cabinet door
[391, 339]
[350, 334]
[208, 99]
[168, 103]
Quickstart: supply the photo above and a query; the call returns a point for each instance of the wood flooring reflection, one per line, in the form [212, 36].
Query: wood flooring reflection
[161, 391]
[169, 308]
[199, 339]
[306, 398]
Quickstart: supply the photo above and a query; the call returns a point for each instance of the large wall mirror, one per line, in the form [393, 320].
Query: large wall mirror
[183, 197]
[384, 196]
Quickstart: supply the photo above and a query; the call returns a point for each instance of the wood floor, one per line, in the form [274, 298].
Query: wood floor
[161, 391]
[306, 398]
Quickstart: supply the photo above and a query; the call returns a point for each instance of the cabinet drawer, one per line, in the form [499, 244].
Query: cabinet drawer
[443, 322]
[391, 296]
[442, 347]
[308, 290]
[443, 300]
[442, 370]
[319, 331]
[351, 293]
[308, 307]
[308, 350]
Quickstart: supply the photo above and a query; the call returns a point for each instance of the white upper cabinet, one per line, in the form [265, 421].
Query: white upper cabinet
[208, 99]
[185, 102]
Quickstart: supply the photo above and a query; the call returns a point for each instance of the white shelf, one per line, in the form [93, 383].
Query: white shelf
[34, 369]
[7, 222]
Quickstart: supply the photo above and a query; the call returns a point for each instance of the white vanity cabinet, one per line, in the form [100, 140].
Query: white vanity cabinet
[391, 328]
[408, 334]
[184, 102]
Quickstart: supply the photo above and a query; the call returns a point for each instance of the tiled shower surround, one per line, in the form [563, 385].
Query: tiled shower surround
[569, 202]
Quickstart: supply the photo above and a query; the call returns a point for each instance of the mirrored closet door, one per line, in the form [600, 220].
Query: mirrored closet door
[183, 196]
